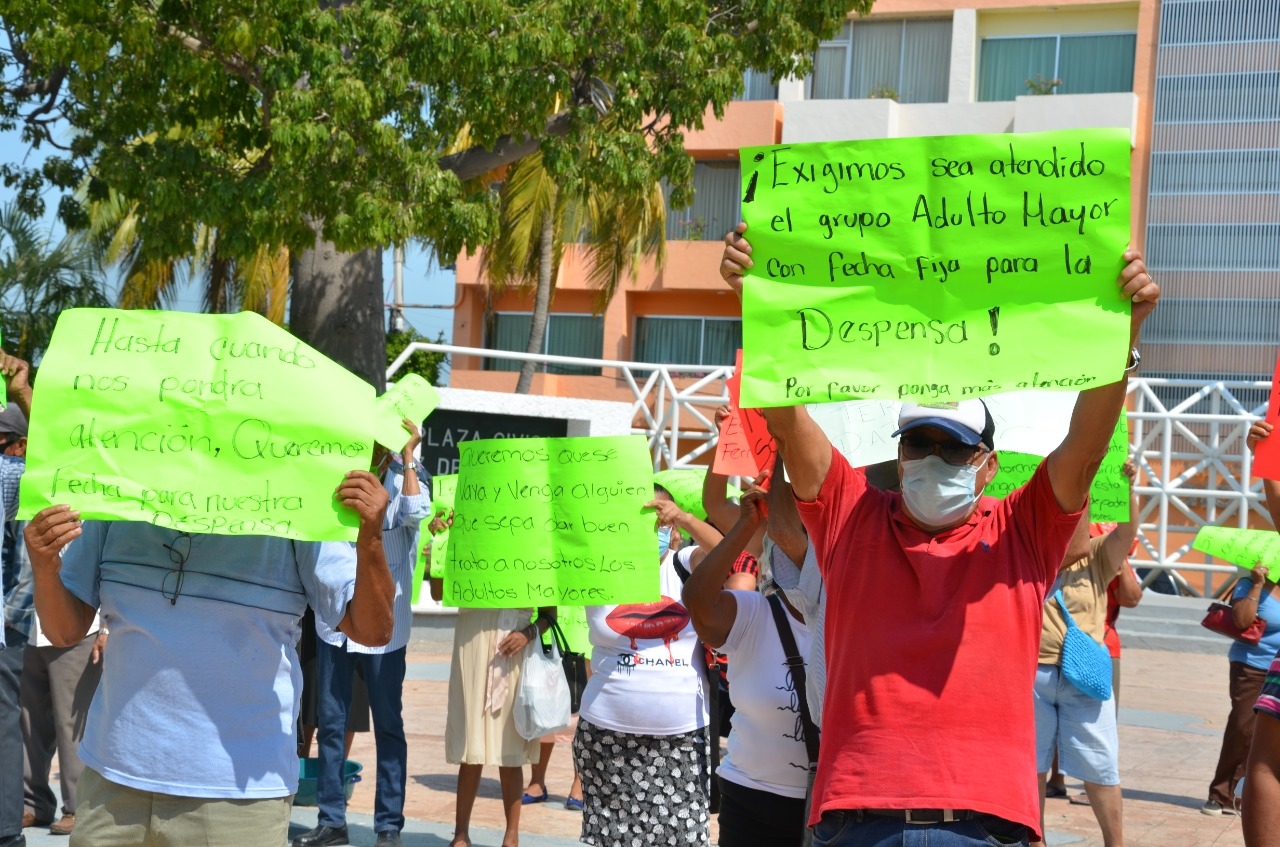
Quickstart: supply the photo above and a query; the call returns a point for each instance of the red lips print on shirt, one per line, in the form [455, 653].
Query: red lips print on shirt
[661, 620]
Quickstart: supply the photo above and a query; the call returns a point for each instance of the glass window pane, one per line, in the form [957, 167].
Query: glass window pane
[829, 65]
[669, 341]
[877, 60]
[1006, 64]
[510, 332]
[1088, 64]
[757, 85]
[716, 207]
[575, 335]
[926, 62]
[720, 341]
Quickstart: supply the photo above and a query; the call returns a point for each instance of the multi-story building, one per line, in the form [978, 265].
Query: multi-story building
[1213, 212]
[912, 68]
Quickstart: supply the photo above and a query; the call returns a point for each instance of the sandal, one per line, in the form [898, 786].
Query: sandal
[1051, 790]
[573, 804]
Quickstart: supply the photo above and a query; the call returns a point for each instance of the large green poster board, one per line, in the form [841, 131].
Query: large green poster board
[552, 522]
[935, 268]
[220, 424]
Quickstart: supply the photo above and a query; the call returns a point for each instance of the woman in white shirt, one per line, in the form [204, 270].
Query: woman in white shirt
[641, 746]
[764, 776]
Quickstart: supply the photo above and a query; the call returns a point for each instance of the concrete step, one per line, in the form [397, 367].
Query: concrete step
[1163, 622]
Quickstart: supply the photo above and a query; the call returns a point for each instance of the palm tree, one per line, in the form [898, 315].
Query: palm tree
[40, 278]
[258, 282]
[615, 230]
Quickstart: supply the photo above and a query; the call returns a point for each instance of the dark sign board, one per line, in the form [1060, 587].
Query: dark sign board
[447, 427]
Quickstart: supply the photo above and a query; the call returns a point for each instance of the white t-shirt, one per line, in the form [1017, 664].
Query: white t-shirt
[766, 746]
[646, 677]
[805, 590]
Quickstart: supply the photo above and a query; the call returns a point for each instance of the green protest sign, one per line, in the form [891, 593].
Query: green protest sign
[934, 268]
[685, 487]
[552, 522]
[1243, 547]
[220, 424]
[1109, 493]
[411, 397]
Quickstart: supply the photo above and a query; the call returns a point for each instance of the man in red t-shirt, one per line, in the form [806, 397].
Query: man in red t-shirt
[934, 609]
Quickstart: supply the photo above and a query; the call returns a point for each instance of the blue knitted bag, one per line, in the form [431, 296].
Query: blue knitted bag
[1085, 663]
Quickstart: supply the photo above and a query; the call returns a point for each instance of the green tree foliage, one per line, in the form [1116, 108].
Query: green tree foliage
[254, 119]
[424, 364]
[39, 278]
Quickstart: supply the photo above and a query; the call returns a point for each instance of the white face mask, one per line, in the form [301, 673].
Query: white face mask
[938, 494]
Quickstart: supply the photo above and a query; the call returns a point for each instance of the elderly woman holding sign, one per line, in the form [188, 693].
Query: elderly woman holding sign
[642, 743]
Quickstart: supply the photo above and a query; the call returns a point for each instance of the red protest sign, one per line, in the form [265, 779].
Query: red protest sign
[1266, 458]
[744, 430]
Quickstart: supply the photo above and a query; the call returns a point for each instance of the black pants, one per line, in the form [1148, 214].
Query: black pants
[753, 818]
[10, 736]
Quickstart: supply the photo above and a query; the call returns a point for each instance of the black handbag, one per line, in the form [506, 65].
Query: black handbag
[575, 668]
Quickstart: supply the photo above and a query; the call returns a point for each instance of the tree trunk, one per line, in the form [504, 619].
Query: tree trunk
[336, 306]
[541, 300]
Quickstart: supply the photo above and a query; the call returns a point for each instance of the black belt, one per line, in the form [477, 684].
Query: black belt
[921, 815]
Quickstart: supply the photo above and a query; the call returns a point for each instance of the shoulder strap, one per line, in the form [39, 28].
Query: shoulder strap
[1070, 621]
[796, 663]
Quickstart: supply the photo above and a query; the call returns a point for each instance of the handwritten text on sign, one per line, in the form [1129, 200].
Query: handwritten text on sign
[202, 423]
[552, 522]
[1242, 547]
[934, 268]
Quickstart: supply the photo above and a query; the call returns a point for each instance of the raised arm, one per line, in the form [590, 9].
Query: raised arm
[784, 525]
[1120, 541]
[1072, 466]
[711, 608]
[64, 617]
[369, 618]
[799, 438]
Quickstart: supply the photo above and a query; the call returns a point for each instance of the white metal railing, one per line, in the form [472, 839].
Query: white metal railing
[1188, 439]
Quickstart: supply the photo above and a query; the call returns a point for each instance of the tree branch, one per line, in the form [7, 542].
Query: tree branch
[474, 161]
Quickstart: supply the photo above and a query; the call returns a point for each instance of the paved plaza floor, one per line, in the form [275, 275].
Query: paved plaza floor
[1173, 707]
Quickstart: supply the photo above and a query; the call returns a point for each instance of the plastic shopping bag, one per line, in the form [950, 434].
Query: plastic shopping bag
[542, 704]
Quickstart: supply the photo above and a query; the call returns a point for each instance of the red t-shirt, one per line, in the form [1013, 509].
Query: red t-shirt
[932, 643]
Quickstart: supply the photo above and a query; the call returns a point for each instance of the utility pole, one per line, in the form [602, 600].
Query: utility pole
[396, 318]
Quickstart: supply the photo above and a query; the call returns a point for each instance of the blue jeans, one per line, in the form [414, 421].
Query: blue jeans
[843, 829]
[384, 676]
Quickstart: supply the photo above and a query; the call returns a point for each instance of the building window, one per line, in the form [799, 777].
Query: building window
[1086, 64]
[904, 60]
[757, 85]
[1218, 22]
[716, 208]
[1218, 97]
[687, 341]
[567, 335]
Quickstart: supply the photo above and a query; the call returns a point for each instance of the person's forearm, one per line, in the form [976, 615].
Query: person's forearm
[541, 623]
[784, 524]
[1128, 589]
[720, 511]
[1245, 610]
[805, 445]
[1075, 462]
[411, 486]
[712, 609]
[703, 534]
[370, 614]
[22, 397]
[64, 618]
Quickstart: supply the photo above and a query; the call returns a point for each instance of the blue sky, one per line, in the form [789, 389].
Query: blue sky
[424, 282]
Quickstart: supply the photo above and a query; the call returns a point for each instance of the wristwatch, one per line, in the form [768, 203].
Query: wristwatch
[1135, 359]
[410, 465]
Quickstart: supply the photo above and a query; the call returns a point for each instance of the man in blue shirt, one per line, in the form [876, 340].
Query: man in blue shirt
[191, 737]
